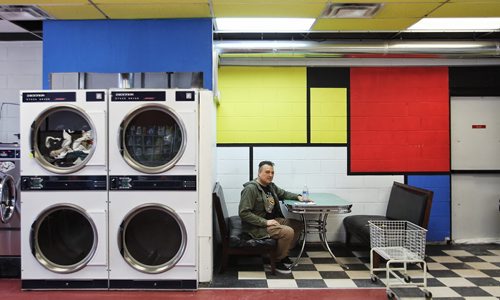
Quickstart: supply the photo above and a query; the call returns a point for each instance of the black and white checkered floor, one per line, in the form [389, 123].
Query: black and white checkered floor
[455, 272]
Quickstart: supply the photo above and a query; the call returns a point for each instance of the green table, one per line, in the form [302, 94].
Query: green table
[322, 205]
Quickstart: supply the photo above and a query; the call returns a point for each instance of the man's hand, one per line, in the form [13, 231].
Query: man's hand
[272, 223]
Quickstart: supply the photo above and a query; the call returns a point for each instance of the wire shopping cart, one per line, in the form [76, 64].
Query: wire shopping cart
[400, 243]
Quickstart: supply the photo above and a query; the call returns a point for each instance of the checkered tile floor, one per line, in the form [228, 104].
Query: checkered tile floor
[455, 272]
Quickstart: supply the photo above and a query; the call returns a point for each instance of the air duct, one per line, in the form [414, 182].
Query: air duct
[350, 49]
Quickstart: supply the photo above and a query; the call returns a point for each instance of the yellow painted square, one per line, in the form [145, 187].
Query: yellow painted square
[328, 115]
[262, 105]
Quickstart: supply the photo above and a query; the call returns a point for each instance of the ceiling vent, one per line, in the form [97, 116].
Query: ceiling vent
[22, 13]
[350, 10]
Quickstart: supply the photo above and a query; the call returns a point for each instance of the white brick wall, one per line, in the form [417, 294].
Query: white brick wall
[323, 169]
[20, 69]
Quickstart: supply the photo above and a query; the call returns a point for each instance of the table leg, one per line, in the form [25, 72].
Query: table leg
[296, 262]
[322, 236]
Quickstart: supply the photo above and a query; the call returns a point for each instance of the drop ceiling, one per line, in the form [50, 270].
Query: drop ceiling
[390, 21]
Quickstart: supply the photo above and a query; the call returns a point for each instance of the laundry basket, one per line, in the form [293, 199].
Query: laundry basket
[400, 243]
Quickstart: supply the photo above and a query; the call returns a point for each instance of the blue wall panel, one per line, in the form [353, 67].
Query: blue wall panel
[114, 46]
[440, 219]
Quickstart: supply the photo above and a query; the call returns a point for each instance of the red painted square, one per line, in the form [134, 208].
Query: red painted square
[399, 119]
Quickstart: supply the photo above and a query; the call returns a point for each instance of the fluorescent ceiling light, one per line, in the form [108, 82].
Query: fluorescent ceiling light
[264, 24]
[454, 24]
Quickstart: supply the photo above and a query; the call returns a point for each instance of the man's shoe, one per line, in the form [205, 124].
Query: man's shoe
[282, 269]
[287, 261]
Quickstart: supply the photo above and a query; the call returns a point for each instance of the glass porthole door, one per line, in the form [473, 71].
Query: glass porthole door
[63, 238]
[8, 198]
[153, 139]
[152, 238]
[63, 139]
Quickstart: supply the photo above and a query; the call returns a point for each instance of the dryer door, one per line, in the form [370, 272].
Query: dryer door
[8, 198]
[63, 238]
[62, 139]
[152, 238]
[152, 138]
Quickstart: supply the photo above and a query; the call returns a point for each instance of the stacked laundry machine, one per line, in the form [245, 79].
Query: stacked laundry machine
[64, 189]
[153, 184]
[110, 187]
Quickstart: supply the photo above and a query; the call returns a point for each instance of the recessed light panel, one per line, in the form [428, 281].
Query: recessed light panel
[456, 24]
[264, 24]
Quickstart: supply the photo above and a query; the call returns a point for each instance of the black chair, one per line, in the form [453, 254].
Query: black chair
[406, 202]
[234, 241]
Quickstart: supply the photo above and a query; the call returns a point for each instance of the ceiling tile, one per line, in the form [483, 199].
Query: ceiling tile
[186, 2]
[363, 24]
[42, 2]
[6, 26]
[388, 1]
[283, 3]
[405, 10]
[467, 9]
[290, 10]
[73, 12]
[155, 11]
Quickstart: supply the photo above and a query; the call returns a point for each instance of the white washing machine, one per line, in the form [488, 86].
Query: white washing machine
[153, 137]
[64, 189]
[10, 212]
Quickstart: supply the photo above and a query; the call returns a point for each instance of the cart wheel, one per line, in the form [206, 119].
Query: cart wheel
[390, 295]
[373, 278]
[428, 295]
[407, 278]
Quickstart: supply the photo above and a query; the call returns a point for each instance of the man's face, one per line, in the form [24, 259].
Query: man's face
[266, 174]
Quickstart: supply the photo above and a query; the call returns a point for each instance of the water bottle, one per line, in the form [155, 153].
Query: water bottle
[305, 193]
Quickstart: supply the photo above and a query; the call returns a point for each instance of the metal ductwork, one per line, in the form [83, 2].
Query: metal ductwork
[361, 49]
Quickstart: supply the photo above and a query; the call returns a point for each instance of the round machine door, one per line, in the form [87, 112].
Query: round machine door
[63, 139]
[63, 238]
[152, 238]
[152, 138]
[9, 197]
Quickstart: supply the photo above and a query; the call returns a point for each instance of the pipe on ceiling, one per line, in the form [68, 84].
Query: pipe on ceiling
[353, 49]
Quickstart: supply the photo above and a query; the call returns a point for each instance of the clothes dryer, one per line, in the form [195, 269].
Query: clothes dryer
[64, 189]
[153, 189]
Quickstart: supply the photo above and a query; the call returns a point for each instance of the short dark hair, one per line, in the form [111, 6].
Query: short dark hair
[266, 162]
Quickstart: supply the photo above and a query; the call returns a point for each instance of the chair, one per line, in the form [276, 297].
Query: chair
[234, 241]
[405, 203]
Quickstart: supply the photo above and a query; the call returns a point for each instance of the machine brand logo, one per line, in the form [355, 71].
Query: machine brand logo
[49, 97]
[138, 96]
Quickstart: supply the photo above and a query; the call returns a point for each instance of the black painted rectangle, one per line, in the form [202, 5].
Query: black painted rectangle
[328, 77]
[63, 183]
[152, 183]
[184, 96]
[135, 96]
[474, 81]
[43, 96]
[41, 284]
[96, 96]
[154, 284]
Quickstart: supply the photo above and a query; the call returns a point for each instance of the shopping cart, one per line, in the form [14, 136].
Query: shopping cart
[400, 243]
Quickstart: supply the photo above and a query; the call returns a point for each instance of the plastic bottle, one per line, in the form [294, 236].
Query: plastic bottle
[305, 193]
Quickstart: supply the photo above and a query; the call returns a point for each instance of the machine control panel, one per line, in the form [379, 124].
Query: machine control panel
[9, 154]
[153, 183]
[63, 183]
